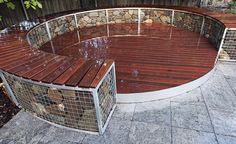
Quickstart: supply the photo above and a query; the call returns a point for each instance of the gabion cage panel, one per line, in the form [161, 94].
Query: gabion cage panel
[228, 51]
[106, 96]
[70, 108]
[214, 31]
[188, 21]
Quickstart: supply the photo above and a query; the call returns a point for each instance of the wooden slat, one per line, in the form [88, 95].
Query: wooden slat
[90, 75]
[106, 65]
[24, 68]
[80, 73]
[39, 68]
[62, 79]
[49, 78]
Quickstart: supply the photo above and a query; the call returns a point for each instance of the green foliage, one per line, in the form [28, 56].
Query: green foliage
[8, 3]
[232, 4]
[34, 4]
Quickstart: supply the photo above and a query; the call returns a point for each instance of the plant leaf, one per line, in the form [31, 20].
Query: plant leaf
[40, 5]
[11, 5]
[33, 7]
[27, 4]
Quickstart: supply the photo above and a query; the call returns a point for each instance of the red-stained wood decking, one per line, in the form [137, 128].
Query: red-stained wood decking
[19, 59]
[164, 59]
[159, 57]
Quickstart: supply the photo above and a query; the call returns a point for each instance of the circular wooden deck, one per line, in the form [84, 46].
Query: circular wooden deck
[156, 57]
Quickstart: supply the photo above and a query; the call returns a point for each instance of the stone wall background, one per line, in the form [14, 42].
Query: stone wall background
[214, 31]
[219, 5]
[123, 16]
[188, 21]
[90, 19]
[156, 16]
[61, 25]
[38, 36]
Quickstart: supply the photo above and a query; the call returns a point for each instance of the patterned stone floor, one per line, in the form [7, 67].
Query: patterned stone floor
[205, 115]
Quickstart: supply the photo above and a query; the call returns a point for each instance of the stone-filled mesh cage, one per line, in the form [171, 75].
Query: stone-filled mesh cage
[228, 51]
[87, 110]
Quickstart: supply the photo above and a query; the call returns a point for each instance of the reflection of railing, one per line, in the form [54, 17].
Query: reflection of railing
[197, 22]
[72, 107]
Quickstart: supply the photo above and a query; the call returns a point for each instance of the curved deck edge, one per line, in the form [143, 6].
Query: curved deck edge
[164, 94]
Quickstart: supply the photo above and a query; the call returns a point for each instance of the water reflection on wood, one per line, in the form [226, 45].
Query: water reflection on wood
[153, 57]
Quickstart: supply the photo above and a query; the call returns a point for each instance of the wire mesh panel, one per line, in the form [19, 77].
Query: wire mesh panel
[155, 15]
[228, 51]
[106, 96]
[61, 25]
[122, 16]
[192, 22]
[38, 36]
[214, 31]
[70, 108]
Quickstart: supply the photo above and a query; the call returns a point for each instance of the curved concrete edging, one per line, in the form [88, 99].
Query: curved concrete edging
[163, 94]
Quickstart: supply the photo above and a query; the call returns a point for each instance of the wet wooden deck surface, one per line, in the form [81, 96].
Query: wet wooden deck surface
[18, 58]
[152, 61]
[160, 57]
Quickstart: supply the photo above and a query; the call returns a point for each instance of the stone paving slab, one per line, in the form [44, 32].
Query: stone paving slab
[224, 121]
[218, 93]
[157, 112]
[149, 133]
[124, 111]
[191, 116]
[55, 135]
[226, 139]
[228, 68]
[232, 82]
[191, 97]
[186, 136]
[205, 115]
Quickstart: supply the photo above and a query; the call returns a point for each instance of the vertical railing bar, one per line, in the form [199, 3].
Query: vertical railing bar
[202, 27]
[76, 22]
[77, 27]
[172, 19]
[48, 31]
[221, 44]
[107, 19]
[98, 111]
[9, 90]
[114, 77]
[139, 21]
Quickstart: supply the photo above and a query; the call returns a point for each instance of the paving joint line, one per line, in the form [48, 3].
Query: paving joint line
[192, 129]
[171, 126]
[226, 79]
[213, 128]
[132, 120]
[82, 140]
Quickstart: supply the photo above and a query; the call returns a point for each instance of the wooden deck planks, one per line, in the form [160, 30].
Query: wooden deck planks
[139, 69]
